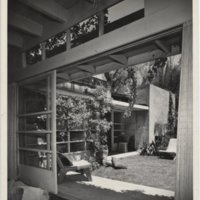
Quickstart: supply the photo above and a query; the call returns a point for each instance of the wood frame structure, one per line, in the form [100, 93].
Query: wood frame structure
[158, 34]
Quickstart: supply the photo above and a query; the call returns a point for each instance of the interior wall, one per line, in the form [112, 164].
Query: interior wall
[137, 126]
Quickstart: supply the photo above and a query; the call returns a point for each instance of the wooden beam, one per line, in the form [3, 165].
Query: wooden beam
[77, 13]
[119, 58]
[50, 8]
[162, 46]
[24, 24]
[132, 34]
[87, 68]
[15, 40]
[64, 76]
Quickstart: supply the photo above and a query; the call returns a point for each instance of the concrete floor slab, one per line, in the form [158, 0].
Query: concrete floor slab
[76, 187]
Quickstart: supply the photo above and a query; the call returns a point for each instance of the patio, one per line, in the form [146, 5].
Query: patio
[76, 187]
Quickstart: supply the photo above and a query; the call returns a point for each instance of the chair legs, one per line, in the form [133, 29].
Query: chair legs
[88, 174]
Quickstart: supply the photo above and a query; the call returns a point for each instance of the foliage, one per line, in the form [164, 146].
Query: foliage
[148, 149]
[88, 113]
[172, 121]
[123, 81]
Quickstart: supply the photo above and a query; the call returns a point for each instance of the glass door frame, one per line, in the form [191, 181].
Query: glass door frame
[35, 176]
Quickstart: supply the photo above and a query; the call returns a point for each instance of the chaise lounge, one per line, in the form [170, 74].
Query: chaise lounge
[170, 152]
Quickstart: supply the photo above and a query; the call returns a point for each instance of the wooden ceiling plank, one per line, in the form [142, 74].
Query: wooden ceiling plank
[119, 58]
[87, 68]
[50, 8]
[162, 46]
[15, 40]
[24, 24]
[64, 76]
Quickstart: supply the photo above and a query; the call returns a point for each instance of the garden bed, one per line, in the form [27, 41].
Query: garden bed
[144, 170]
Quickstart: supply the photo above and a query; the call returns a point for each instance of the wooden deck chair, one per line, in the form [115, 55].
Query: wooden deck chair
[72, 162]
[170, 152]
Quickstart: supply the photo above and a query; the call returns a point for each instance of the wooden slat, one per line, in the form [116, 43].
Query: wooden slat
[35, 114]
[50, 8]
[35, 132]
[24, 24]
[12, 128]
[15, 40]
[35, 150]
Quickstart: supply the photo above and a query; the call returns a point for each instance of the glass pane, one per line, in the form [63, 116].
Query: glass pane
[77, 135]
[62, 148]
[117, 127]
[117, 133]
[123, 13]
[34, 55]
[35, 123]
[84, 31]
[56, 44]
[35, 97]
[117, 117]
[35, 141]
[36, 159]
[77, 146]
[61, 136]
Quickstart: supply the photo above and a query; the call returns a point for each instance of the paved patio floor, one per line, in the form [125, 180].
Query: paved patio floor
[76, 187]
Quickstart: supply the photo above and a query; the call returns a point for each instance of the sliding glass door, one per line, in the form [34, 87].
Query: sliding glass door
[37, 132]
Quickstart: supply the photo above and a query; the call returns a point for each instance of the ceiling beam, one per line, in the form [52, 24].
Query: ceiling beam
[162, 46]
[24, 24]
[64, 76]
[119, 58]
[15, 40]
[50, 8]
[87, 68]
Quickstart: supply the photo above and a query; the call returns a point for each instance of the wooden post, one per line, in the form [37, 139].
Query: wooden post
[43, 50]
[12, 131]
[184, 179]
[68, 39]
[24, 64]
[101, 23]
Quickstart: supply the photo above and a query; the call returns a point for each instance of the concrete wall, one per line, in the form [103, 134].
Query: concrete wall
[158, 108]
[137, 125]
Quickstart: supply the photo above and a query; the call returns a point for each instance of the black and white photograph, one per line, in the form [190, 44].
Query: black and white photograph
[99, 99]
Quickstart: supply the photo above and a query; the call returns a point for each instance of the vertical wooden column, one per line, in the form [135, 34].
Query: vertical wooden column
[24, 64]
[101, 23]
[184, 179]
[12, 131]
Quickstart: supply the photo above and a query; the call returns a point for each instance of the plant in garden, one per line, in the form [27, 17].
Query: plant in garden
[123, 81]
[87, 113]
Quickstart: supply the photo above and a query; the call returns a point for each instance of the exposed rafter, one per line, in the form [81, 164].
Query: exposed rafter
[64, 76]
[49, 8]
[119, 58]
[87, 68]
[24, 24]
[15, 40]
[162, 46]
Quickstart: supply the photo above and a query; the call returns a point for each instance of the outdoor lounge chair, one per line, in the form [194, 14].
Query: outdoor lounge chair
[170, 152]
[71, 162]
